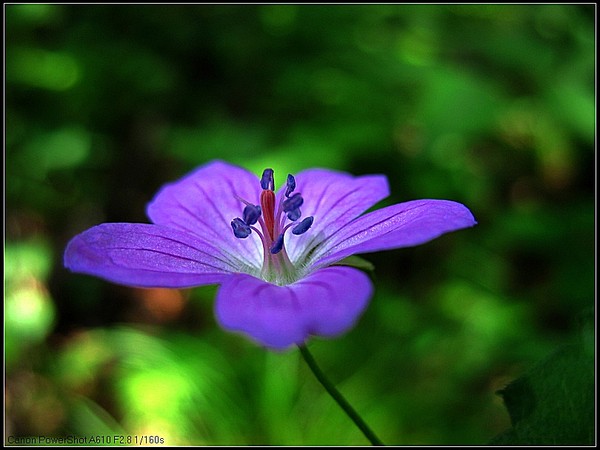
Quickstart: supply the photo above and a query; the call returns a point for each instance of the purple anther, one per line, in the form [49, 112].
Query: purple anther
[294, 214]
[290, 185]
[240, 228]
[294, 202]
[267, 182]
[303, 226]
[251, 214]
[277, 245]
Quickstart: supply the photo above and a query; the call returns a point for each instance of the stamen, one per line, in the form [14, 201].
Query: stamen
[294, 202]
[251, 214]
[292, 205]
[303, 226]
[267, 181]
[240, 229]
[277, 245]
[294, 214]
[290, 185]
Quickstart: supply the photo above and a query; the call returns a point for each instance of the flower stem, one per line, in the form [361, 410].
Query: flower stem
[330, 388]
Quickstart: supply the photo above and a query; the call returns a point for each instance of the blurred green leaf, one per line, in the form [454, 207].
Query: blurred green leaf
[28, 309]
[553, 404]
[89, 419]
[43, 69]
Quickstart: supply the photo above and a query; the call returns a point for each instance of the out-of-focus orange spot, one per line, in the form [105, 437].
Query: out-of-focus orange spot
[163, 305]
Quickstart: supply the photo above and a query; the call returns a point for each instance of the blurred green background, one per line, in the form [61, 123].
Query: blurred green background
[491, 106]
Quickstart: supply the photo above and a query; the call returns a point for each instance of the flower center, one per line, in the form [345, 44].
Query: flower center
[277, 267]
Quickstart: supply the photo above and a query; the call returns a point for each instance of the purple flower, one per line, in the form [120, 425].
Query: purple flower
[273, 254]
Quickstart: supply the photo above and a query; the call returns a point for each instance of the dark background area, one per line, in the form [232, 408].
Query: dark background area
[492, 106]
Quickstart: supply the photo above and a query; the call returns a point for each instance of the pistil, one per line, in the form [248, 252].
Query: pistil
[267, 202]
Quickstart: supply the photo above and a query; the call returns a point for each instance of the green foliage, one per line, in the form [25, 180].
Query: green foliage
[489, 105]
[28, 309]
[553, 403]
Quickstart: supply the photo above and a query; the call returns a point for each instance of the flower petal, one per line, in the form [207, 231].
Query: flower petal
[401, 225]
[326, 303]
[333, 199]
[145, 255]
[205, 202]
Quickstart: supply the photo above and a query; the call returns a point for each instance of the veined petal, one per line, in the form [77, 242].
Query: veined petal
[204, 202]
[401, 225]
[333, 199]
[146, 255]
[325, 303]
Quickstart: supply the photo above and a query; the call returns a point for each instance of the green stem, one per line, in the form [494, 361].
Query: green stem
[329, 387]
